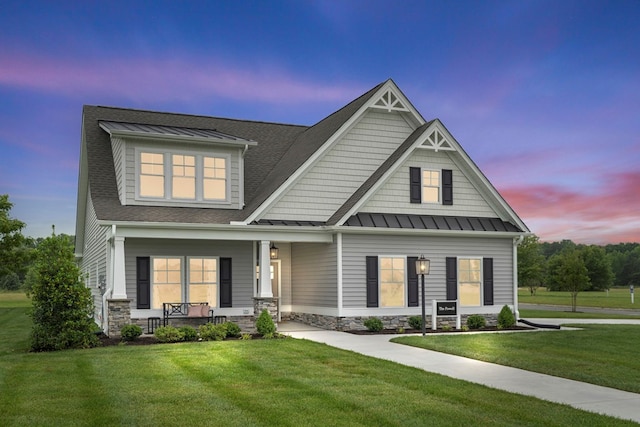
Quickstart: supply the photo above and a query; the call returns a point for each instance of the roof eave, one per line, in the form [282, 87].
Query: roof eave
[176, 138]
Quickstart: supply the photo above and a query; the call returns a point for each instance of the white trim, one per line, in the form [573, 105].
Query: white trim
[339, 268]
[279, 263]
[187, 277]
[276, 195]
[404, 278]
[471, 257]
[439, 172]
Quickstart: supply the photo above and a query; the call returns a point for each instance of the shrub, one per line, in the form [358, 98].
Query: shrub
[130, 332]
[415, 322]
[446, 328]
[246, 336]
[506, 319]
[233, 330]
[373, 324]
[168, 334]
[189, 333]
[10, 282]
[475, 321]
[265, 325]
[62, 305]
[211, 332]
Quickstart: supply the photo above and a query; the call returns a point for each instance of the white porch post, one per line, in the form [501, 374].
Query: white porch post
[264, 282]
[119, 277]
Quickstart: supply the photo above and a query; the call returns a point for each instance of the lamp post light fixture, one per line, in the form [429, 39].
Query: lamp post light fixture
[273, 251]
[422, 268]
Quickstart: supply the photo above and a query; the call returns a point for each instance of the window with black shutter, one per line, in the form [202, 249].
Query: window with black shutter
[412, 282]
[487, 280]
[372, 281]
[225, 282]
[143, 282]
[447, 187]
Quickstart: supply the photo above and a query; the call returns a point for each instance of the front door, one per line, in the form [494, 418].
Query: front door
[275, 283]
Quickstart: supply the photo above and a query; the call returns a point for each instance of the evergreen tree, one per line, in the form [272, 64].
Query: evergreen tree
[62, 305]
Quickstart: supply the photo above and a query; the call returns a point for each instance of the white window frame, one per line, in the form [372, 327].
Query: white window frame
[481, 297]
[152, 283]
[422, 186]
[168, 176]
[187, 279]
[405, 289]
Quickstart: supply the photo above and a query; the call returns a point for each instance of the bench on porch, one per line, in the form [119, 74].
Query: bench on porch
[186, 310]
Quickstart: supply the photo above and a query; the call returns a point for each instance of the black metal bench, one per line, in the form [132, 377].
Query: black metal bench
[186, 310]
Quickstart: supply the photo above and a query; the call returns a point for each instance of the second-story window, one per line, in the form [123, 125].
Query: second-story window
[176, 176]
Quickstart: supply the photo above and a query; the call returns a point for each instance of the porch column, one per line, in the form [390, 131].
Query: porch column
[119, 277]
[264, 281]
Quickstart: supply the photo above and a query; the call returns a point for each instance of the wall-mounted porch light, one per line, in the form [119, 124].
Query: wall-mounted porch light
[273, 251]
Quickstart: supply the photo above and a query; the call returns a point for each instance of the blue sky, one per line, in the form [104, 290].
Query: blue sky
[544, 95]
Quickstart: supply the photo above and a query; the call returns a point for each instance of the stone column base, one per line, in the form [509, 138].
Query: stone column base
[118, 315]
[269, 304]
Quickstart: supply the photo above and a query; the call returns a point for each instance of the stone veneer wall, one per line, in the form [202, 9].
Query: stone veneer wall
[389, 322]
[119, 314]
[269, 304]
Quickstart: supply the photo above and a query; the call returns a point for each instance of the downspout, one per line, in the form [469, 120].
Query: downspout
[241, 175]
[516, 243]
[109, 291]
[339, 261]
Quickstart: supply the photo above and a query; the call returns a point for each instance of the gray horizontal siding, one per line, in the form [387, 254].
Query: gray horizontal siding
[234, 159]
[328, 184]
[314, 275]
[243, 271]
[357, 247]
[94, 253]
[393, 195]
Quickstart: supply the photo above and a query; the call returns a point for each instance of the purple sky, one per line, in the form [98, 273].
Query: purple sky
[544, 95]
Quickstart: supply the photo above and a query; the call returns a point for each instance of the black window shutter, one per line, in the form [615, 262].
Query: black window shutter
[412, 282]
[487, 277]
[415, 185]
[372, 281]
[225, 282]
[452, 278]
[447, 187]
[143, 282]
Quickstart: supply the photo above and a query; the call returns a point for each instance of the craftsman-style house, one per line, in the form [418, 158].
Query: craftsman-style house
[320, 224]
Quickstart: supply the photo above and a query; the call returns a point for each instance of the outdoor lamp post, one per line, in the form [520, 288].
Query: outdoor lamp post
[422, 268]
[273, 251]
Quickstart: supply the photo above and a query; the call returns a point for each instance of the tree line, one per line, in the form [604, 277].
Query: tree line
[567, 266]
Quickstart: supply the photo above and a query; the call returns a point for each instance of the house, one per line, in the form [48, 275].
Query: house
[183, 208]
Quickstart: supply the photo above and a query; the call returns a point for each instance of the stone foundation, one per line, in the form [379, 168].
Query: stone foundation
[119, 314]
[269, 304]
[389, 322]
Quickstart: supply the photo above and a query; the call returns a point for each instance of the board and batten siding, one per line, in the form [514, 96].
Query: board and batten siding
[234, 165]
[94, 253]
[346, 165]
[357, 247]
[242, 273]
[314, 275]
[393, 195]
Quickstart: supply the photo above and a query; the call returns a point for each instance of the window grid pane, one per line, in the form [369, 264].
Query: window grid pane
[470, 276]
[203, 278]
[151, 175]
[215, 178]
[430, 186]
[167, 281]
[392, 282]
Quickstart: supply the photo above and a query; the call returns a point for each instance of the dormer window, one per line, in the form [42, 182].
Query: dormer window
[181, 176]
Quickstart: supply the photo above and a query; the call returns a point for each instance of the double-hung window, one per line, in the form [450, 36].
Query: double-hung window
[430, 186]
[470, 281]
[166, 280]
[183, 177]
[203, 280]
[392, 281]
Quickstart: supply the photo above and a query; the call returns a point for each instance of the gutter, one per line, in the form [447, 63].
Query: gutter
[516, 243]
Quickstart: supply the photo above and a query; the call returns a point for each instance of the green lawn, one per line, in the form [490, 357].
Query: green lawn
[606, 355]
[617, 298]
[553, 314]
[244, 383]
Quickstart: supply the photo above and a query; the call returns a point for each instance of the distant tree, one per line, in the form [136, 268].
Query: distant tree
[630, 274]
[531, 264]
[15, 254]
[62, 305]
[598, 267]
[550, 249]
[570, 274]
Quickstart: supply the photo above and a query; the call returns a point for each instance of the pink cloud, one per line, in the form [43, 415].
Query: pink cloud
[611, 213]
[164, 79]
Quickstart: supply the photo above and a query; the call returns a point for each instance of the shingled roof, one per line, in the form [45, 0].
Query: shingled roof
[281, 150]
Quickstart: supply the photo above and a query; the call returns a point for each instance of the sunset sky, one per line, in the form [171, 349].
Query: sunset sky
[543, 95]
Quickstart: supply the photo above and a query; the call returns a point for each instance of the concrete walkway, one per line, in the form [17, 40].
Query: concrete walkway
[580, 395]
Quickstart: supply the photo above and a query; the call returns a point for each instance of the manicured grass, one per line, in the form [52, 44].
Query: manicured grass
[246, 383]
[617, 298]
[606, 355]
[14, 299]
[553, 314]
